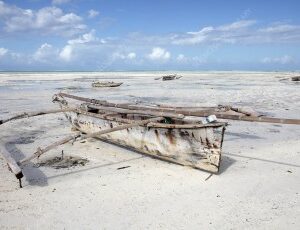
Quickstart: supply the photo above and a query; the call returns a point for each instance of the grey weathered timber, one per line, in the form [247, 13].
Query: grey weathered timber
[41, 151]
[33, 114]
[106, 84]
[198, 147]
[134, 111]
[190, 111]
[11, 162]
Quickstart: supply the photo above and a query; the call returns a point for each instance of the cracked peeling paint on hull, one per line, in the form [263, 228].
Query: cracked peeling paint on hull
[199, 147]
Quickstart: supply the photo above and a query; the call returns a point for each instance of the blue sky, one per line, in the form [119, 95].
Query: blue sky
[129, 35]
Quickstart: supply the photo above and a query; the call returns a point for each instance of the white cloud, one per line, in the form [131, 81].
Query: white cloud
[118, 55]
[159, 54]
[131, 55]
[194, 60]
[194, 37]
[83, 43]
[286, 59]
[240, 32]
[47, 20]
[45, 53]
[3, 51]
[85, 38]
[237, 25]
[279, 33]
[58, 2]
[66, 53]
[226, 33]
[279, 28]
[181, 57]
[93, 13]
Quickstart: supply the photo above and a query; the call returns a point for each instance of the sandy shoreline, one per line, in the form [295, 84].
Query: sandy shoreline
[73, 75]
[257, 188]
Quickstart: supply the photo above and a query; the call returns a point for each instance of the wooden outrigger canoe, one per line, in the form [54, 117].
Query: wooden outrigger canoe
[176, 134]
[173, 139]
[169, 77]
[99, 84]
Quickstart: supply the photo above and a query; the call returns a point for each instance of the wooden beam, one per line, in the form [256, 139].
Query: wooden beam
[191, 112]
[33, 114]
[12, 164]
[134, 111]
[41, 151]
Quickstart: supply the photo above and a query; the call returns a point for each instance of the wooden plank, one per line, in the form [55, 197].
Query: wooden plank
[161, 108]
[133, 111]
[12, 164]
[121, 127]
[251, 119]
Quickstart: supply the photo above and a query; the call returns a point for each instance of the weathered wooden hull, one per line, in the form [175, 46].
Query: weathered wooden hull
[105, 84]
[198, 147]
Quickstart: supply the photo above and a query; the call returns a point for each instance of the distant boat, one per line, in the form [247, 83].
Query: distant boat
[169, 77]
[296, 78]
[106, 84]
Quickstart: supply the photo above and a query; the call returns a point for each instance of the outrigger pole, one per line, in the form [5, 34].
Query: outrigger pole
[196, 111]
[15, 167]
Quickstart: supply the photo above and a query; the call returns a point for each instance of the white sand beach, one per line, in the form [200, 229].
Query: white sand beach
[257, 187]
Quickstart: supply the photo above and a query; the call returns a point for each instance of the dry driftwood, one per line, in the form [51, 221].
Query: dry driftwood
[191, 112]
[33, 114]
[41, 151]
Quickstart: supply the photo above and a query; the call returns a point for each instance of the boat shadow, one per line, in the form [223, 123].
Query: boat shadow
[95, 167]
[36, 177]
[226, 162]
[33, 175]
[235, 136]
[263, 160]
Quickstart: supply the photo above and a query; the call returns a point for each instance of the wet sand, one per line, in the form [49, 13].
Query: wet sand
[257, 187]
